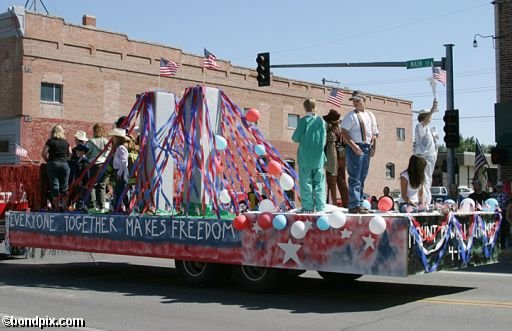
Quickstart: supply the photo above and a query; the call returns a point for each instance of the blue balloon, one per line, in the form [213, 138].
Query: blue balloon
[323, 223]
[366, 204]
[492, 204]
[279, 222]
[259, 150]
[220, 142]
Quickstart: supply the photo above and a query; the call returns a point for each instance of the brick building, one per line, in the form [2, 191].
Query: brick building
[56, 72]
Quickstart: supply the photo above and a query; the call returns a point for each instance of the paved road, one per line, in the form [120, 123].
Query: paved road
[132, 293]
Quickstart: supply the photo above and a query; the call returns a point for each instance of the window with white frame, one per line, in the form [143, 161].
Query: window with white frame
[400, 134]
[51, 92]
[293, 120]
[390, 170]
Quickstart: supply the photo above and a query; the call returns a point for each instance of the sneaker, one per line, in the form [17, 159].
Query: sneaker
[358, 210]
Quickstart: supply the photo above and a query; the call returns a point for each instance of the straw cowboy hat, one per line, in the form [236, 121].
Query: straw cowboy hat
[81, 135]
[333, 116]
[118, 132]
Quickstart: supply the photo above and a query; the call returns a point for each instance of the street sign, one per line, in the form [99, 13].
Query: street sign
[421, 63]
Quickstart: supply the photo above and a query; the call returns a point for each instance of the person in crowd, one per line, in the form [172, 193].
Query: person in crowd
[411, 185]
[82, 165]
[503, 199]
[385, 192]
[80, 138]
[425, 144]
[333, 141]
[500, 195]
[453, 194]
[56, 153]
[374, 203]
[311, 136]
[479, 196]
[360, 131]
[120, 166]
[121, 123]
[505, 226]
[98, 155]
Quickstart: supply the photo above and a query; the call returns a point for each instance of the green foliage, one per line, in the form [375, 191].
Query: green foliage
[467, 145]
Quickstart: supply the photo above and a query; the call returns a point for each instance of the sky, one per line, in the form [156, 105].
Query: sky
[324, 32]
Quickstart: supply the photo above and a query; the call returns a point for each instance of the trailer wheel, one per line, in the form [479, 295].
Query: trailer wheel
[201, 274]
[258, 279]
[338, 277]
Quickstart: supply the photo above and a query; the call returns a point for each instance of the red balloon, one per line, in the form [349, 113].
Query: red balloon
[274, 168]
[240, 222]
[252, 115]
[265, 220]
[385, 203]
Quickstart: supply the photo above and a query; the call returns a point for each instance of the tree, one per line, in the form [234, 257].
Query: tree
[467, 145]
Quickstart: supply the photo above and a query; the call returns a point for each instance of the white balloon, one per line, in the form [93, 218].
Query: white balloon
[224, 196]
[337, 219]
[266, 205]
[377, 225]
[298, 230]
[286, 182]
[467, 205]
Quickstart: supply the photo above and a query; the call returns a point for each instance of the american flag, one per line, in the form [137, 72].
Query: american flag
[210, 61]
[168, 68]
[20, 151]
[439, 75]
[480, 160]
[336, 97]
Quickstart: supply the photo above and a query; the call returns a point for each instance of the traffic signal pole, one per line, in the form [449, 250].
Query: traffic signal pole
[450, 152]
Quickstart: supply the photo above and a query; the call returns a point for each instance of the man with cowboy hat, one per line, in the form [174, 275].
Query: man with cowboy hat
[335, 154]
[359, 130]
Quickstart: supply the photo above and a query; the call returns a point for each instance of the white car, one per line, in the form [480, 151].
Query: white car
[464, 191]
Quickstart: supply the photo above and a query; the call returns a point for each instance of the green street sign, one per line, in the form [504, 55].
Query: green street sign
[421, 63]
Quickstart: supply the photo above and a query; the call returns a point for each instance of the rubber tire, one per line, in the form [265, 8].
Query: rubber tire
[202, 274]
[258, 279]
[338, 278]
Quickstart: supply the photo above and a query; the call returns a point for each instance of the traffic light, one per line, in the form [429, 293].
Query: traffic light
[499, 155]
[451, 128]
[263, 69]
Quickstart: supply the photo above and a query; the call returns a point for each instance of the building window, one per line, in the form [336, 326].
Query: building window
[400, 134]
[51, 92]
[293, 119]
[390, 170]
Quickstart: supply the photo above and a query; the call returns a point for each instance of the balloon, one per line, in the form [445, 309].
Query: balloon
[322, 223]
[279, 222]
[467, 205]
[385, 203]
[252, 115]
[259, 150]
[366, 204]
[377, 225]
[224, 196]
[265, 220]
[266, 205]
[240, 222]
[286, 182]
[220, 142]
[492, 204]
[274, 168]
[337, 219]
[298, 230]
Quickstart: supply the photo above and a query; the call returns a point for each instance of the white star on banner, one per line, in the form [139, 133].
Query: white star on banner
[368, 242]
[290, 251]
[256, 227]
[345, 234]
[309, 225]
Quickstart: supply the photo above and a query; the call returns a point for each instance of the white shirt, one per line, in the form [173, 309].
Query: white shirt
[351, 124]
[121, 162]
[412, 193]
[425, 140]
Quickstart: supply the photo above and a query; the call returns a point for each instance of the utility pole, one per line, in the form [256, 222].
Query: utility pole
[450, 152]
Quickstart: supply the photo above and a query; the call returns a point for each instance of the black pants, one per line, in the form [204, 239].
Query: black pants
[504, 233]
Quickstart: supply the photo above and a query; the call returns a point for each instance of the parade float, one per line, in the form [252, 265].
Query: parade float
[201, 160]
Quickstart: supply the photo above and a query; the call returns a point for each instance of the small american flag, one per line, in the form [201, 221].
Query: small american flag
[335, 97]
[480, 160]
[168, 68]
[439, 75]
[20, 151]
[210, 61]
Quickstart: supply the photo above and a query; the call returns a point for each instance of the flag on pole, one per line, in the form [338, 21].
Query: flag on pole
[335, 97]
[439, 75]
[480, 160]
[20, 151]
[168, 68]
[210, 61]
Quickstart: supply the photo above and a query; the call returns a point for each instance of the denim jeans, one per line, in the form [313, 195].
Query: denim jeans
[357, 168]
[58, 175]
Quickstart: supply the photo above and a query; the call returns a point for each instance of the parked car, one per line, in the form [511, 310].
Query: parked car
[464, 191]
[439, 193]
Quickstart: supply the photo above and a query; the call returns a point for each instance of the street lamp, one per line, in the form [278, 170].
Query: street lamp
[475, 43]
